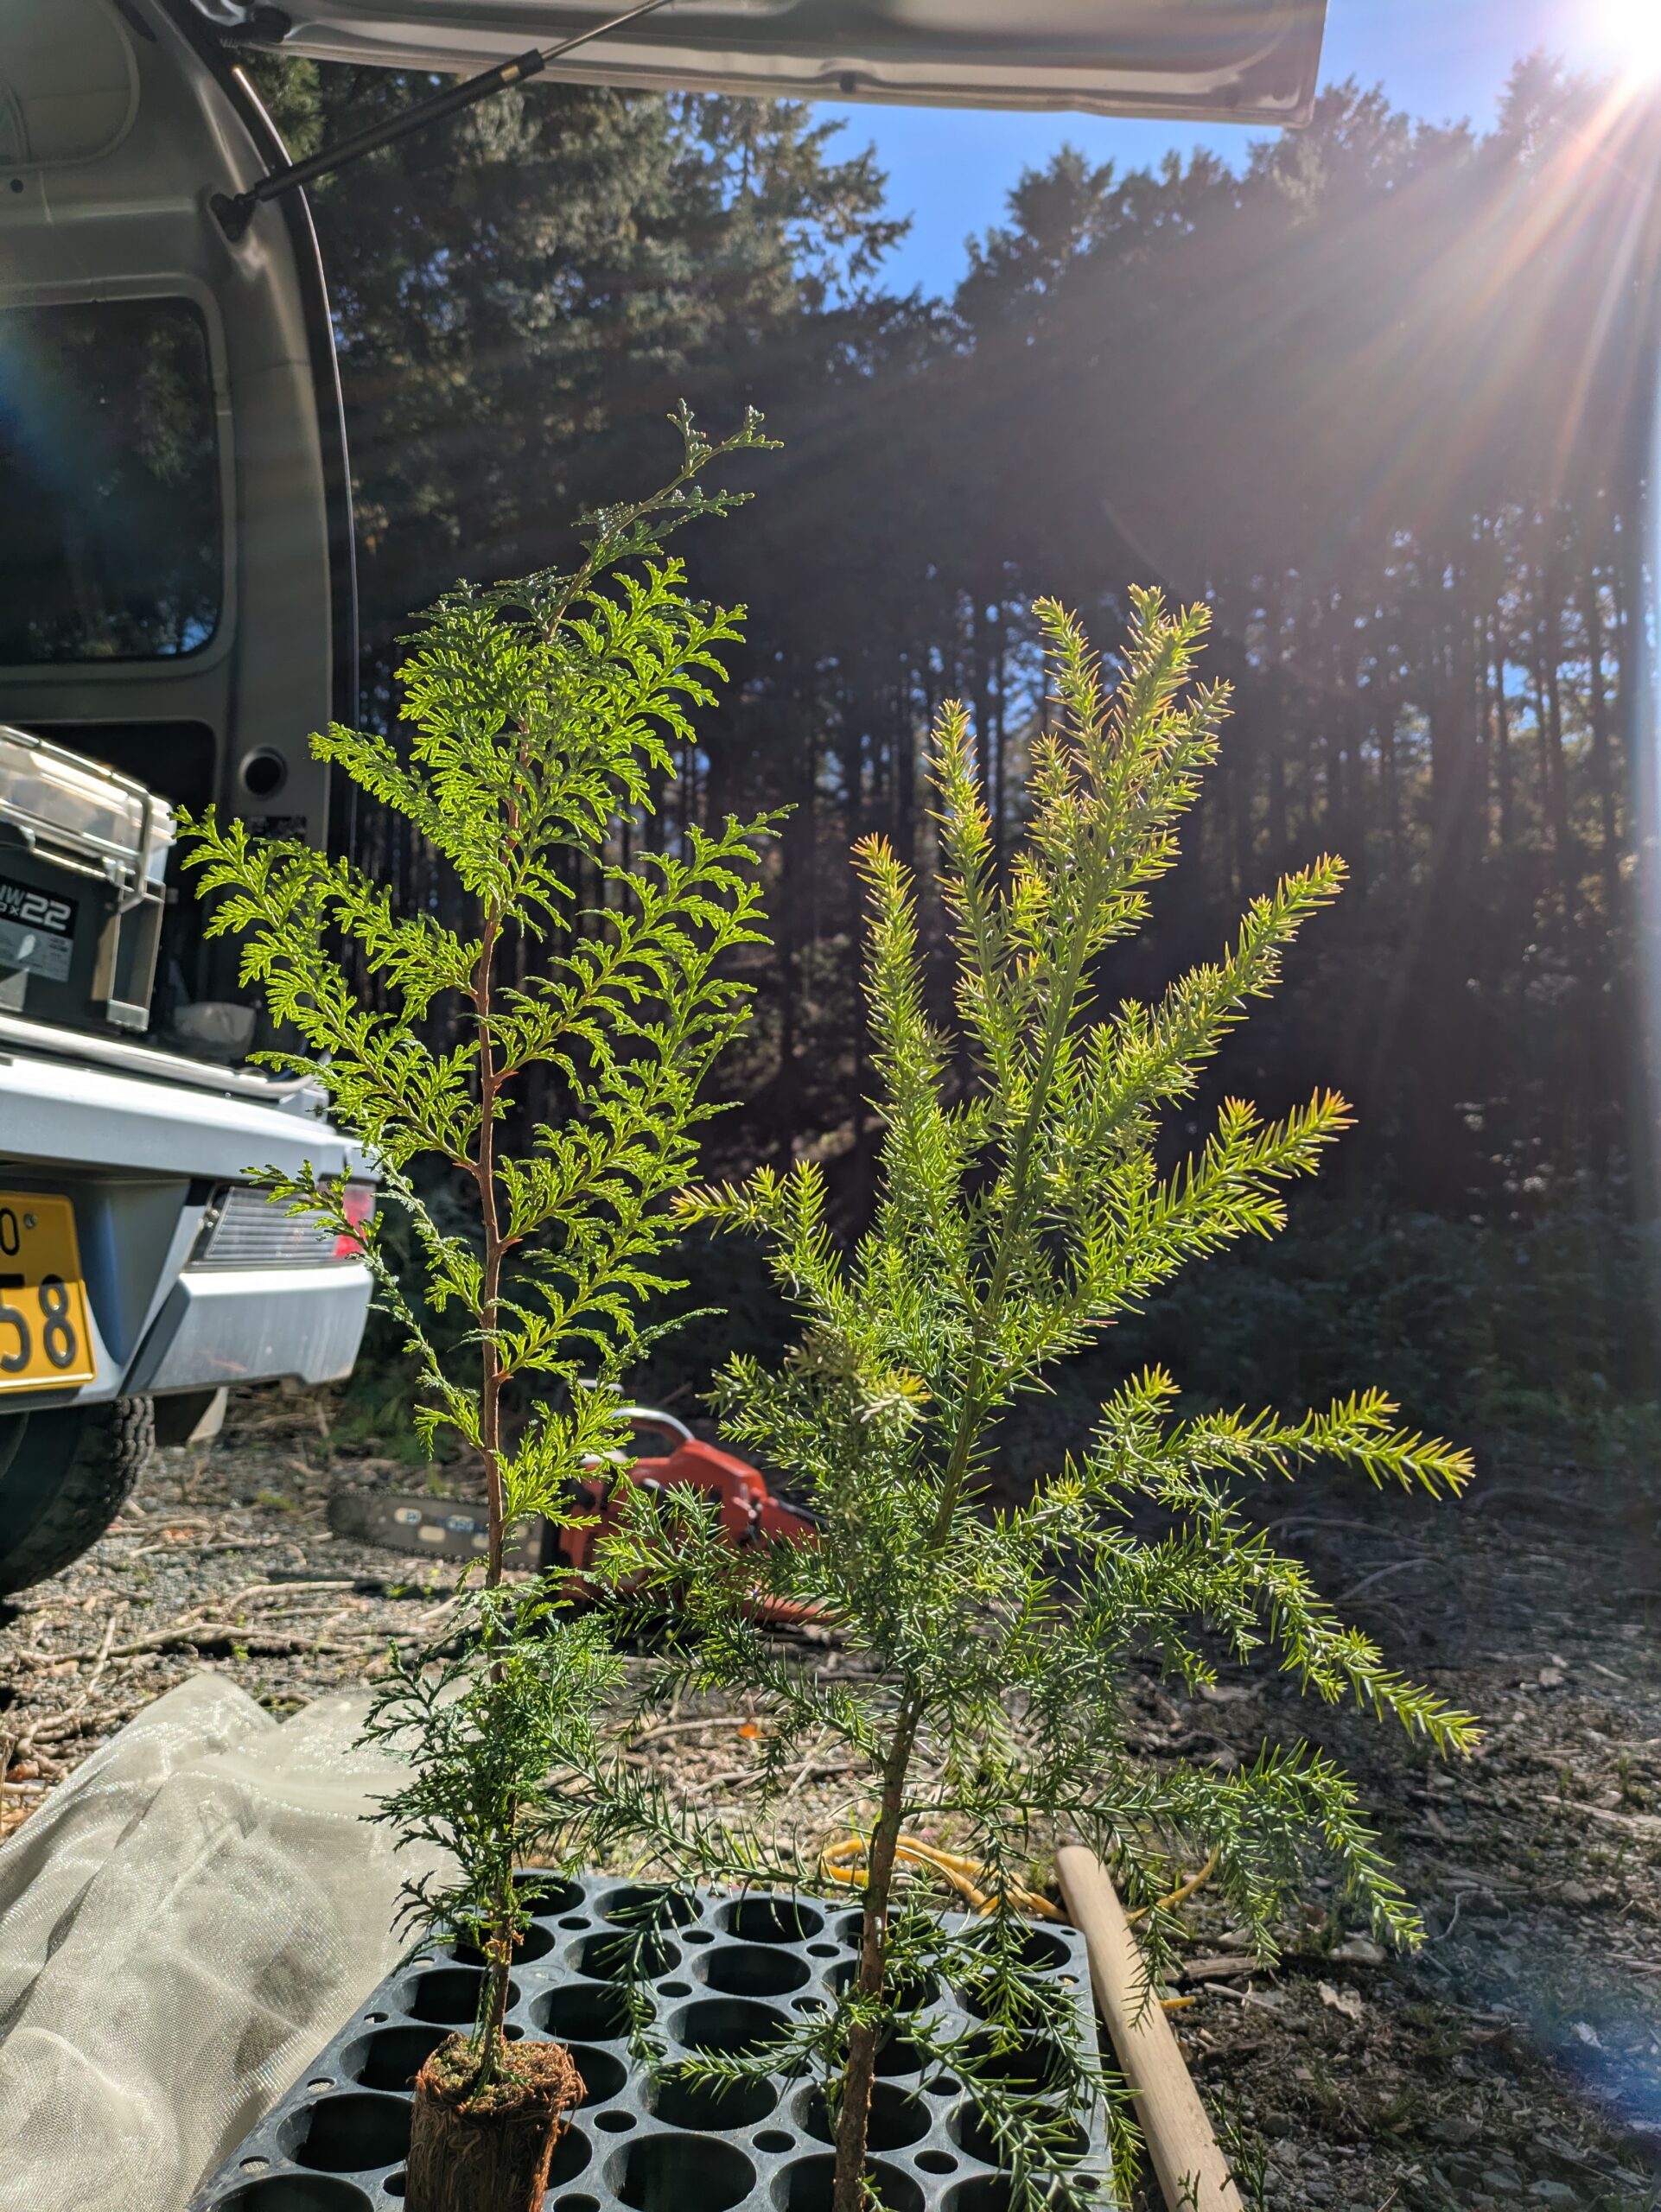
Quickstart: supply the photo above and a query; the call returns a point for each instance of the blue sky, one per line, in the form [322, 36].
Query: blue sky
[950, 168]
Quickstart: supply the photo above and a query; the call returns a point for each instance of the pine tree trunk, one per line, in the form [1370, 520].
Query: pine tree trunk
[1502, 762]
[1388, 782]
[1563, 835]
[985, 729]
[494, 2159]
[1276, 805]
[1602, 760]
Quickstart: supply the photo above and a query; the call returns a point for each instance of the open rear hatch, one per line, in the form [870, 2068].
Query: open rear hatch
[176, 541]
[1241, 59]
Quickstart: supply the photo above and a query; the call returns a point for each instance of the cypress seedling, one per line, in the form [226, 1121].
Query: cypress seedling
[536, 713]
[1021, 1206]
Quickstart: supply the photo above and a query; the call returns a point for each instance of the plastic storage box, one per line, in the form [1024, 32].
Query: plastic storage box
[83, 854]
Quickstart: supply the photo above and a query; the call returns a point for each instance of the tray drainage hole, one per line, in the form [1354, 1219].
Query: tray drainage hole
[574, 1920]
[572, 2154]
[1030, 2066]
[646, 1904]
[535, 1944]
[937, 2161]
[676, 1988]
[682, 2173]
[986, 2193]
[680, 2101]
[897, 2120]
[904, 1996]
[255, 2165]
[772, 1920]
[350, 2134]
[804, 2186]
[1038, 1951]
[448, 1996]
[603, 2075]
[754, 1970]
[615, 2123]
[321, 2081]
[630, 1956]
[395, 2184]
[374, 2018]
[944, 2085]
[546, 1895]
[699, 1935]
[577, 2204]
[774, 2139]
[900, 2054]
[971, 2133]
[296, 2193]
[582, 2012]
[823, 1950]
[725, 2024]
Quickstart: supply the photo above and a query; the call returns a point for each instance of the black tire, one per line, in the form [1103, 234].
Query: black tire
[64, 1476]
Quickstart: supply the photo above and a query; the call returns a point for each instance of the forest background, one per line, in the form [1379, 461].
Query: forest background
[1379, 396]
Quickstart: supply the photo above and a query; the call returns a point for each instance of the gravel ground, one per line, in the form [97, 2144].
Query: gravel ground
[1515, 2060]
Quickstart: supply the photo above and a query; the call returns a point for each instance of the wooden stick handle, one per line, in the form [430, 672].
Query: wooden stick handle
[1192, 2170]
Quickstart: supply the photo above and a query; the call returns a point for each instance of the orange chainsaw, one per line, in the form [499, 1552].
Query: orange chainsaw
[669, 1457]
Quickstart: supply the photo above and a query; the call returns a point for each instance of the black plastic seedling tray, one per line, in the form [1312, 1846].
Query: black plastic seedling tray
[722, 1972]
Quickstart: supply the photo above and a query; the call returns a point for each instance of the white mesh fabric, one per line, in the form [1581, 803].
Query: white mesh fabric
[182, 1925]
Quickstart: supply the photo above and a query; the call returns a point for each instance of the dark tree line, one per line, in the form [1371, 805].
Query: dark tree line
[1379, 398]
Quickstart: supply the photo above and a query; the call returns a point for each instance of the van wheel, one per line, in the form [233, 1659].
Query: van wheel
[64, 1476]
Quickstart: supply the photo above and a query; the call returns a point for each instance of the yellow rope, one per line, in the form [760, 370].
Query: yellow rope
[835, 1863]
[1179, 1895]
[838, 1862]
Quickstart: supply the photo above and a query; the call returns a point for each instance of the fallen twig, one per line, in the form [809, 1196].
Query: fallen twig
[1379, 1575]
[684, 1727]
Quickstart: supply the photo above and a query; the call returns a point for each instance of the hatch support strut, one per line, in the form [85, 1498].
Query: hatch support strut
[236, 212]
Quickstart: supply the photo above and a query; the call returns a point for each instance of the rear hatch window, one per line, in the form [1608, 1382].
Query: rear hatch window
[109, 483]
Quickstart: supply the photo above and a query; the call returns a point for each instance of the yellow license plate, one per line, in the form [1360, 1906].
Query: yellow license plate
[44, 1338]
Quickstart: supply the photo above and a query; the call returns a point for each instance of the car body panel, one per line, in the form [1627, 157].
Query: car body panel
[56, 1115]
[1251, 60]
[139, 1156]
[254, 1325]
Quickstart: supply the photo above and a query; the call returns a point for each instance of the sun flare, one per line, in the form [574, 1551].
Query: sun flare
[1629, 34]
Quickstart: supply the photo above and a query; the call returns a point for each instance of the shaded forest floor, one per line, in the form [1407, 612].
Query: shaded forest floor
[1515, 2059]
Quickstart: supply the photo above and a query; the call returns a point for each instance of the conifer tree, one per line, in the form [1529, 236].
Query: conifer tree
[536, 712]
[1022, 1207]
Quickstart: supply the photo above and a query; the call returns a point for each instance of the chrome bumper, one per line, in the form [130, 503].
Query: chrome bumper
[151, 1114]
[252, 1325]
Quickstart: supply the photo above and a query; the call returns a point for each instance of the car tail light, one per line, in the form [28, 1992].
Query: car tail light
[357, 1203]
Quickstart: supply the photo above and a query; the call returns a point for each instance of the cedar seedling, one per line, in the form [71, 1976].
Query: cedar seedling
[1019, 1208]
[536, 713]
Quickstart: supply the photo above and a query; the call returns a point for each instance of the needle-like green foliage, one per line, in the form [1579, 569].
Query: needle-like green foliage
[535, 713]
[1020, 1208]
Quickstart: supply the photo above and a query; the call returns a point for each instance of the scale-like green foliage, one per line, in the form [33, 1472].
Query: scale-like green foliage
[1020, 1208]
[535, 713]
